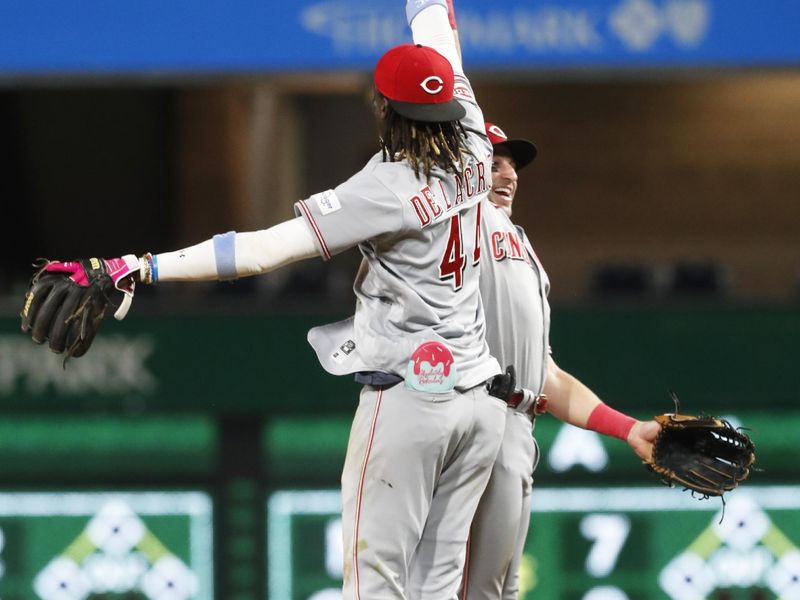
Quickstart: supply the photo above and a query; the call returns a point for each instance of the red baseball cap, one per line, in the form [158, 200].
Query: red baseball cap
[418, 83]
[522, 151]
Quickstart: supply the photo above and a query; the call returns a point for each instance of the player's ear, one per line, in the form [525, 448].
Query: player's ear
[379, 104]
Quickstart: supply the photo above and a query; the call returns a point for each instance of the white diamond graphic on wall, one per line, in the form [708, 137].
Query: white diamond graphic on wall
[688, 21]
[784, 579]
[638, 23]
[169, 579]
[62, 579]
[116, 553]
[740, 549]
[744, 524]
[115, 529]
[687, 577]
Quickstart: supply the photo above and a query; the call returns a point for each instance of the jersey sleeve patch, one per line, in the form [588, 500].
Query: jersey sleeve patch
[327, 201]
[463, 90]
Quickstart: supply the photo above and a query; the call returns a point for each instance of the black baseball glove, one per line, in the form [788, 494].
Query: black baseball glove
[67, 301]
[703, 454]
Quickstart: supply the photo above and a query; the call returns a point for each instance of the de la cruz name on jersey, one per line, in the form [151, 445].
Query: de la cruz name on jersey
[454, 197]
[428, 205]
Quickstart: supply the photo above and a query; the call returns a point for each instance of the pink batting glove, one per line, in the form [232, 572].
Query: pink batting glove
[118, 269]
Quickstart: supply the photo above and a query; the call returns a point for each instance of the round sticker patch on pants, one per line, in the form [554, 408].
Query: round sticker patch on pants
[431, 369]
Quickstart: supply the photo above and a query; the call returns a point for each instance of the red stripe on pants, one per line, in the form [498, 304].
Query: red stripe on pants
[361, 490]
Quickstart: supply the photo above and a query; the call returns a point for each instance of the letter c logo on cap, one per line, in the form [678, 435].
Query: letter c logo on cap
[497, 131]
[432, 85]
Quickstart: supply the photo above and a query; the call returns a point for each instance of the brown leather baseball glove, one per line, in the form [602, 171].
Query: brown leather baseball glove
[704, 454]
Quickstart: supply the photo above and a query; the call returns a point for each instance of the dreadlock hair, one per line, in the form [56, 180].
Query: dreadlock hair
[425, 145]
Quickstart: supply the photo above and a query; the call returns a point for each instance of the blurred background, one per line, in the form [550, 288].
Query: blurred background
[196, 451]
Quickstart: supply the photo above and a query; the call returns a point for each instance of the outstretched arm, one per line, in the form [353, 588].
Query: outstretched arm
[67, 301]
[451, 13]
[432, 26]
[231, 255]
[569, 400]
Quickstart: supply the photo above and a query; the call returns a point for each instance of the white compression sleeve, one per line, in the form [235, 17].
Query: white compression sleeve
[431, 27]
[255, 252]
[268, 249]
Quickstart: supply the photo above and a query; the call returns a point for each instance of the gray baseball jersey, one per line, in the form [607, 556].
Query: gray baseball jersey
[419, 278]
[420, 453]
[514, 287]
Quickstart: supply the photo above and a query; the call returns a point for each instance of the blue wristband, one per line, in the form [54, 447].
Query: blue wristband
[225, 255]
[153, 267]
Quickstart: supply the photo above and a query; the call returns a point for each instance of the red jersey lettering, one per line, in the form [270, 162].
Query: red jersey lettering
[419, 208]
[459, 190]
[506, 244]
[435, 208]
[481, 177]
[468, 172]
[476, 253]
[514, 245]
[453, 262]
[498, 252]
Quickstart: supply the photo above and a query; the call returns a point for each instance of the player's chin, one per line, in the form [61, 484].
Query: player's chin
[501, 202]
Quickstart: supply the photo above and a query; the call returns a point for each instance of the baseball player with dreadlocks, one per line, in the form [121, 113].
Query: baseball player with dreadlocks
[433, 407]
[515, 292]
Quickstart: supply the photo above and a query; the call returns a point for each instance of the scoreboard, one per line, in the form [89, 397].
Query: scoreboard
[602, 527]
[613, 543]
[153, 545]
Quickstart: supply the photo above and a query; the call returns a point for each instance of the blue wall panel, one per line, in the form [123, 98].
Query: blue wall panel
[212, 36]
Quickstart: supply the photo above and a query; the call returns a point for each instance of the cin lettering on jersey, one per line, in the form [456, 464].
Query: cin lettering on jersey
[429, 205]
[507, 244]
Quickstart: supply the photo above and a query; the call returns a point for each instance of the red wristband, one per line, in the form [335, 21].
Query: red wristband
[608, 421]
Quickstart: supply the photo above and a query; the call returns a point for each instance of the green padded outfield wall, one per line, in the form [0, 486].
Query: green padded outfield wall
[261, 364]
[236, 412]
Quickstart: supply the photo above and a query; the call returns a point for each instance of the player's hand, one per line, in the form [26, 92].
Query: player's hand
[67, 301]
[641, 438]
[124, 272]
